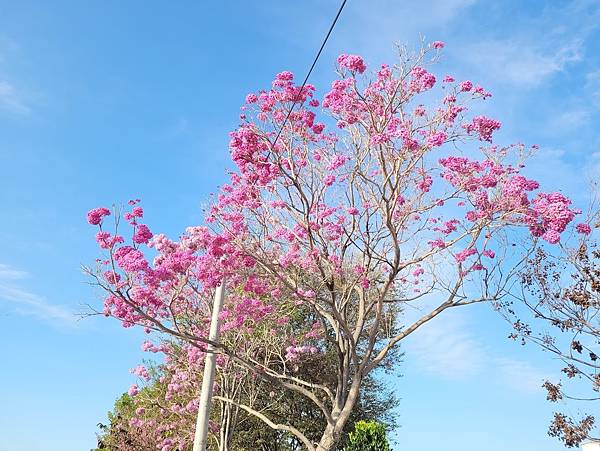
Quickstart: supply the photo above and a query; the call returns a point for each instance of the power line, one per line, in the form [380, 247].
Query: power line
[310, 70]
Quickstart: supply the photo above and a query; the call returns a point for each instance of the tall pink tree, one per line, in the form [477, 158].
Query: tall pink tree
[345, 210]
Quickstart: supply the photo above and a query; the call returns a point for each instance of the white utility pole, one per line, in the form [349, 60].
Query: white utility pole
[591, 445]
[208, 379]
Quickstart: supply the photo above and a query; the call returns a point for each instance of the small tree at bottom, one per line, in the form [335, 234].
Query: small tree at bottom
[367, 436]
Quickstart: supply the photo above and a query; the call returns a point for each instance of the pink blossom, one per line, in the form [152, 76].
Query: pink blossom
[94, 217]
[437, 243]
[318, 128]
[142, 234]
[112, 277]
[584, 229]
[552, 236]
[251, 98]
[483, 126]
[384, 73]
[482, 92]
[147, 346]
[425, 183]
[130, 259]
[293, 352]
[489, 253]
[419, 110]
[329, 179]
[358, 270]
[449, 226]
[354, 63]
[133, 390]
[465, 86]
[136, 212]
[106, 241]
[464, 254]
[379, 138]
[286, 75]
[437, 45]
[336, 162]
[436, 139]
[549, 216]
[141, 371]
[422, 80]
[418, 271]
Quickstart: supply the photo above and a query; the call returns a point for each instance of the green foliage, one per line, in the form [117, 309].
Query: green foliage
[367, 436]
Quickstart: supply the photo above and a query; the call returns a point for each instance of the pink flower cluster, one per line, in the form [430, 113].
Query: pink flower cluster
[436, 139]
[141, 371]
[343, 100]
[106, 241]
[465, 86]
[549, 216]
[134, 214]
[294, 352]
[583, 228]
[483, 126]
[133, 390]
[142, 234]
[464, 254]
[353, 63]
[421, 80]
[94, 217]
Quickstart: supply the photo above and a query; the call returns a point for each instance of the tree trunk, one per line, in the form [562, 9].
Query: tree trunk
[328, 440]
[331, 435]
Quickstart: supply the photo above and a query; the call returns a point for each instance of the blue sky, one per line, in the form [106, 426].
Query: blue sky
[105, 101]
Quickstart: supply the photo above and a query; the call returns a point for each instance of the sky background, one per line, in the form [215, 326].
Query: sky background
[104, 101]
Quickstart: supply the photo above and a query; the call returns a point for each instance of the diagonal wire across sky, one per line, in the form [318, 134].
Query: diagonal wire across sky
[314, 63]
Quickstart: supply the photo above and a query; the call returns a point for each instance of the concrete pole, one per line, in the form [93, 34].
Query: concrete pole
[200, 437]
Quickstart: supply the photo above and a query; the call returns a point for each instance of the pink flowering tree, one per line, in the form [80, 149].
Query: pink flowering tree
[345, 211]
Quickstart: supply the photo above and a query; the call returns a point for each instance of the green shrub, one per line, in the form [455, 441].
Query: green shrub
[367, 436]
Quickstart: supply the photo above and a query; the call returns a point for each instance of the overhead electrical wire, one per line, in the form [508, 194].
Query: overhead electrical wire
[314, 63]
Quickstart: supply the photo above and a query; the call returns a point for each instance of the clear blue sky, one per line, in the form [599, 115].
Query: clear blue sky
[103, 101]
